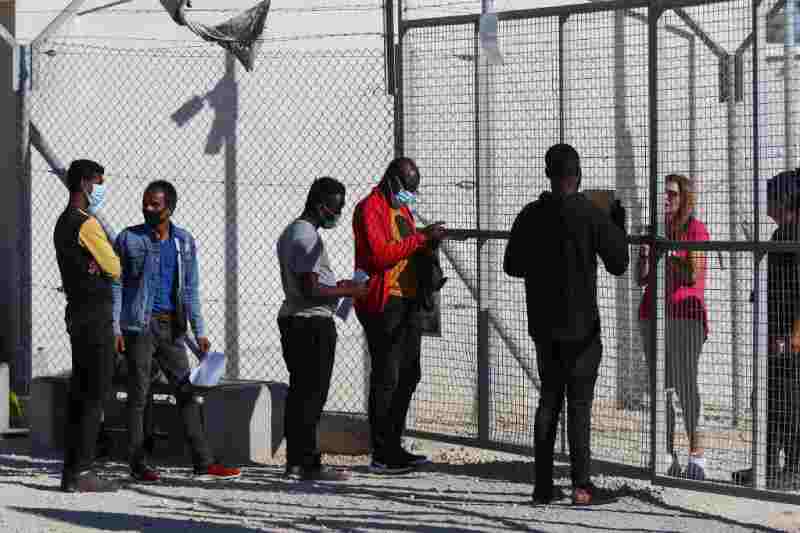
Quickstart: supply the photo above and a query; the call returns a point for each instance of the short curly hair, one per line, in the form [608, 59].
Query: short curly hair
[783, 189]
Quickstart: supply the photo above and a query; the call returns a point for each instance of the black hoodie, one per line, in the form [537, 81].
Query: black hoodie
[554, 245]
[783, 284]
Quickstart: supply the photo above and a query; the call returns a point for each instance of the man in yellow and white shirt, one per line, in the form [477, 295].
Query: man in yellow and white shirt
[88, 265]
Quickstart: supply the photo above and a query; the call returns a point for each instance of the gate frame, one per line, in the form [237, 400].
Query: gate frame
[730, 88]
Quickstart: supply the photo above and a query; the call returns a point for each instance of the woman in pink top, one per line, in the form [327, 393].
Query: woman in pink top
[687, 319]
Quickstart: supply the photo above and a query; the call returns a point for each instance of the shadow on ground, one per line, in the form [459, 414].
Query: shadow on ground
[451, 505]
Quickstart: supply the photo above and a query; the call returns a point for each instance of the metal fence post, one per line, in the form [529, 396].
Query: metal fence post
[562, 134]
[733, 216]
[759, 358]
[23, 365]
[231, 226]
[657, 401]
[13, 161]
[625, 181]
[482, 249]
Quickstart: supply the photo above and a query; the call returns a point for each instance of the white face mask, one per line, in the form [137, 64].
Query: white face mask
[97, 197]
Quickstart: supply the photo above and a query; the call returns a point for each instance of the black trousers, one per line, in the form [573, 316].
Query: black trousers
[783, 412]
[162, 342]
[394, 339]
[309, 349]
[565, 368]
[89, 387]
[683, 347]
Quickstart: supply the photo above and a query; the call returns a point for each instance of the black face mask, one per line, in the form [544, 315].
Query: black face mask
[153, 218]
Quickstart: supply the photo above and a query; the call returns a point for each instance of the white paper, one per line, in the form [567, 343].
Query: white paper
[346, 304]
[209, 371]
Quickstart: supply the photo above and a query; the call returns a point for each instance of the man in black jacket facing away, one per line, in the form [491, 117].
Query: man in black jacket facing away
[554, 245]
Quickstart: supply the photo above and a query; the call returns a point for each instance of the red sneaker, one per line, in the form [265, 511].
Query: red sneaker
[582, 496]
[145, 474]
[217, 471]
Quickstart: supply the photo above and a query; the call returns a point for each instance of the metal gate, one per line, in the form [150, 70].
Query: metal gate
[642, 89]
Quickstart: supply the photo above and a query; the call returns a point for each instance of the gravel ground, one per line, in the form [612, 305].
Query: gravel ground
[465, 490]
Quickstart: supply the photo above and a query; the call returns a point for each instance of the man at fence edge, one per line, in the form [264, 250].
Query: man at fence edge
[157, 295]
[554, 246]
[386, 242]
[308, 332]
[88, 265]
[783, 334]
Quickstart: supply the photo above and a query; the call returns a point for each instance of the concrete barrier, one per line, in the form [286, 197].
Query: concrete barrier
[344, 434]
[243, 419]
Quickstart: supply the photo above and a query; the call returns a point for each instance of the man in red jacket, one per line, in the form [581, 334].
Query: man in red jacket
[387, 244]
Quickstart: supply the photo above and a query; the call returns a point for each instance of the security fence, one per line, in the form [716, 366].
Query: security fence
[641, 89]
[241, 149]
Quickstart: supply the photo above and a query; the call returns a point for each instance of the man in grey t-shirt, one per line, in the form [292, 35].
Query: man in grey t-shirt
[301, 250]
[308, 333]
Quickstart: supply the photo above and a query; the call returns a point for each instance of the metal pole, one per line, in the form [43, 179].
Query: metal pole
[388, 45]
[692, 90]
[657, 403]
[790, 115]
[24, 365]
[231, 224]
[625, 181]
[562, 135]
[562, 126]
[482, 264]
[733, 217]
[399, 85]
[759, 358]
[14, 163]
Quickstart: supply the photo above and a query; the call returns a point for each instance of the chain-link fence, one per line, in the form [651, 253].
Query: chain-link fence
[241, 149]
[643, 91]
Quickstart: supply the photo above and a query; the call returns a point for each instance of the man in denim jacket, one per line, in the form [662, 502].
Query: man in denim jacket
[157, 295]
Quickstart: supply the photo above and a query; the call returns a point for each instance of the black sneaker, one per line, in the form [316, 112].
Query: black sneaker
[318, 473]
[413, 459]
[87, 482]
[389, 468]
[547, 497]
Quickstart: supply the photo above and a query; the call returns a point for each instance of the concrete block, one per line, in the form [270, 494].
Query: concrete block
[4, 399]
[344, 434]
[170, 441]
[244, 420]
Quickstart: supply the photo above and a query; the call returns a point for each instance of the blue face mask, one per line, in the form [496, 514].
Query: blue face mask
[97, 197]
[406, 198]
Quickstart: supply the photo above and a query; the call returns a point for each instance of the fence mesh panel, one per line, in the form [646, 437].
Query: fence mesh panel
[597, 97]
[242, 151]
